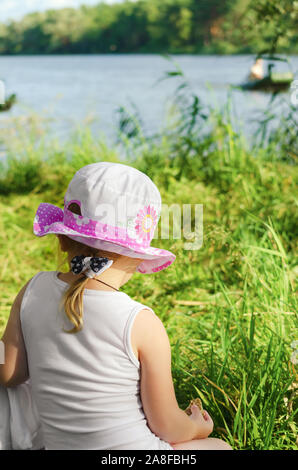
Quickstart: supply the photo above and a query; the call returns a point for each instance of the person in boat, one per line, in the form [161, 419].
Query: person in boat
[256, 71]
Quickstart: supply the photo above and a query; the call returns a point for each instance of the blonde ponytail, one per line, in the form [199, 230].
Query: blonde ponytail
[72, 302]
[72, 298]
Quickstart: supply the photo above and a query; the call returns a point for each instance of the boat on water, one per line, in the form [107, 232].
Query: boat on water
[271, 81]
[9, 102]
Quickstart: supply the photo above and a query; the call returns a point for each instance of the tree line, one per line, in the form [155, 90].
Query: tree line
[155, 26]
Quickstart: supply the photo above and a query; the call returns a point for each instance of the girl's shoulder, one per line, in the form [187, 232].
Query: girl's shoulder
[147, 331]
[20, 296]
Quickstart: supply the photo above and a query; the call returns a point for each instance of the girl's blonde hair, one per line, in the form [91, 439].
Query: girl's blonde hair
[72, 299]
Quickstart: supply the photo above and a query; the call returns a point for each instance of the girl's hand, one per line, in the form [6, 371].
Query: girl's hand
[203, 420]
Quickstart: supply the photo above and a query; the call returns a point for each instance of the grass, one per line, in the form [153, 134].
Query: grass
[229, 308]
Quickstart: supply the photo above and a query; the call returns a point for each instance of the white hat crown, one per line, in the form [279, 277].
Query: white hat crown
[112, 193]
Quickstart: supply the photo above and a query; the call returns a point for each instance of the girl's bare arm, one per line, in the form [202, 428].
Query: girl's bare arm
[15, 369]
[164, 417]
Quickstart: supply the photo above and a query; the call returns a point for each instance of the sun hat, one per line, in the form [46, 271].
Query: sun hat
[120, 208]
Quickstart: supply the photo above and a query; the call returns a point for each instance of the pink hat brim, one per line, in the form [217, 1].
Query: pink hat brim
[49, 220]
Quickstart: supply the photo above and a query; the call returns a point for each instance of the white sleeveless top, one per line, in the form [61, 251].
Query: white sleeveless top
[86, 385]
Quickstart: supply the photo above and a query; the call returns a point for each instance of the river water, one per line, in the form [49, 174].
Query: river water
[75, 90]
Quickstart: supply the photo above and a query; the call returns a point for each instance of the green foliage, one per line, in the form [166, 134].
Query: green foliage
[262, 26]
[172, 26]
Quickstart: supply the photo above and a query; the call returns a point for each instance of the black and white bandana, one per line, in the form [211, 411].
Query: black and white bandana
[90, 266]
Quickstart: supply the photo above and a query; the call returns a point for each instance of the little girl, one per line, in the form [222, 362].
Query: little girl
[99, 362]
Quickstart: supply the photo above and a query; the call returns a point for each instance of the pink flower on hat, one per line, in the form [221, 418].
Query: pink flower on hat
[146, 220]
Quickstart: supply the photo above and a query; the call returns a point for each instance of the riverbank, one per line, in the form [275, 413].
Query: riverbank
[150, 26]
